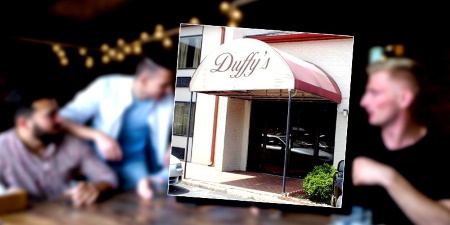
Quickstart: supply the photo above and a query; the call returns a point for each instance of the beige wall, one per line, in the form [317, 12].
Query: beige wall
[204, 113]
[233, 120]
[233, 131]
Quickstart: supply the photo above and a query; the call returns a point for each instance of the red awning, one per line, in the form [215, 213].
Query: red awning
[252, 69]
[310, 78]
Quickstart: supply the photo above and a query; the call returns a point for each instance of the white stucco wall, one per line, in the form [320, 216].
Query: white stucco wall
[335, 57]
[232, 134]
[204, 113]
[233, 119]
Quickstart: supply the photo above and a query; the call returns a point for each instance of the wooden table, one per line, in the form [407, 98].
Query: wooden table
[129, 209]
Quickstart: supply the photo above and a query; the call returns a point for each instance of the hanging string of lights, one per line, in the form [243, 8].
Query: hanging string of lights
[122, 49]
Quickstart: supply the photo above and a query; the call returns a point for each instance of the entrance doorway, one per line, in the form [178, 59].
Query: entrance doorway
[312, 137]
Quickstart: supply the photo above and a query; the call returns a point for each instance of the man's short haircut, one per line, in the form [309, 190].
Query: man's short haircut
[154, 56]
[397, 66]
[147, 64]
[409, 70]
[22, 102]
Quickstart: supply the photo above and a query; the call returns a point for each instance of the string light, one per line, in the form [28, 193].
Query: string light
[120, 56]
[56, 47]
[137, 48]
[236, 14]
[224, 6]
[232, 24]
[104, 47]
[89, 62]
[144, 36]
[194, 20]
[127, 49]
[82, 51]
[112, 52]
[167, 42]
[159, 32]
[120, 42]
[61, 53]
[64, 61]
[105, 59]
[123, 49]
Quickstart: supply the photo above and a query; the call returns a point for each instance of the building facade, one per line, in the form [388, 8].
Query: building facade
[245, 134]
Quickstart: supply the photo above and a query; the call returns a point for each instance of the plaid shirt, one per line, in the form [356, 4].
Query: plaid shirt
[47, 177]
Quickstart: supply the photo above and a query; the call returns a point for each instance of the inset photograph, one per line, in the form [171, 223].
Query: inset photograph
[261, 115]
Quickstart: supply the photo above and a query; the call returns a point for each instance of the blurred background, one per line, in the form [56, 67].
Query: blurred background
[65, 44]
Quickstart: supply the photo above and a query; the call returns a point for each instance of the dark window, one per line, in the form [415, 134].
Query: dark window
[183, 81]
[180, 120]
[178, 152]
[189, 52]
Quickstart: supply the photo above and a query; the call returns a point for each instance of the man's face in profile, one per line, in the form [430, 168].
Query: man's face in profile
[45, 121]
[158, 84]
[380, 99]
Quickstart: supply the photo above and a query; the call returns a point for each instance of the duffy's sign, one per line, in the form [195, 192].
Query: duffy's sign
[236, 67]
[242, 64]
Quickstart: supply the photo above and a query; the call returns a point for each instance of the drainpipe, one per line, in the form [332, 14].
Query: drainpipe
[216, 112]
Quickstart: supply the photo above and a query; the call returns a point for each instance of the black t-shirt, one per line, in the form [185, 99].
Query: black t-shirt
[425, 165]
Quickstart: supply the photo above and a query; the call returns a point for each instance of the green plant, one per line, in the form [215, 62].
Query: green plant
[318, 184]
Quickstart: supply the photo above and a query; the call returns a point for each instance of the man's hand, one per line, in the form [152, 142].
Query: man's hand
[83, 194]
[144, 189]
[367, 171]
[108, 146]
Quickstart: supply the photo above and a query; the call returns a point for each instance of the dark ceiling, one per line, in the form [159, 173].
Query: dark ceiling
[93, 22]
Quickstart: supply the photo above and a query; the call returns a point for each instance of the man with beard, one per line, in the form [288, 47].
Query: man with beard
[37, 157]
[400, 177]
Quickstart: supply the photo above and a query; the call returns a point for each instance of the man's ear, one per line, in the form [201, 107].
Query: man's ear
[143, 78]
[21, 121]
[406, 98]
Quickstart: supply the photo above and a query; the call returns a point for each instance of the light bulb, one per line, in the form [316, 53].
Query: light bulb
[224, 6]
[194, 20]
[61, 53]
[232, 23]
[159, 32]
[236, 14]
[105, 59]
[120, 56]
[120, 42]
[104, 47]
[112, 52]
[137, 48]
[64, 61]
[89, 62]
[144, 36]
[127, 49]
[82, 51]
[167, 42]
[56, 47]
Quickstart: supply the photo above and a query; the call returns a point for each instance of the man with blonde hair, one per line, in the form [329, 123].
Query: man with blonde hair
[400, 177]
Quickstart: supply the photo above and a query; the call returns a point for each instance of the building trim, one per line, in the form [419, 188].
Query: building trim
[297, 37]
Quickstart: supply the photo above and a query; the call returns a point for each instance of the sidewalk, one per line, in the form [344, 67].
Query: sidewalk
[254, 186]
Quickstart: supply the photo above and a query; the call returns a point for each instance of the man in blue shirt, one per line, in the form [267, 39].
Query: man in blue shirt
[131, 123]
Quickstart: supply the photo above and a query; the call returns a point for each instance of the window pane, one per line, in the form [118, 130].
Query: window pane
[189, 52]
[180, 120]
